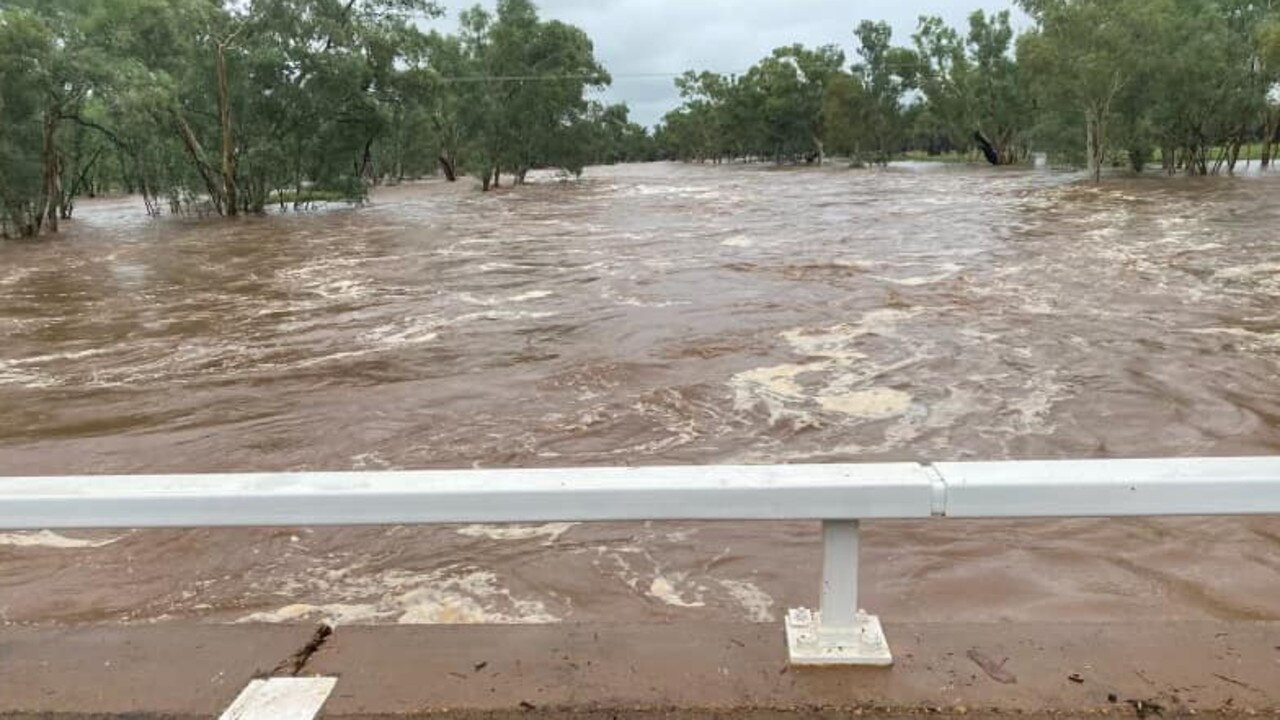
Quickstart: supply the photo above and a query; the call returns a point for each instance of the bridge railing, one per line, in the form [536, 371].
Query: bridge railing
[840, 496]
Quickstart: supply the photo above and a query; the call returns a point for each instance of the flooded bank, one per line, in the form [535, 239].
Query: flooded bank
[652, 314]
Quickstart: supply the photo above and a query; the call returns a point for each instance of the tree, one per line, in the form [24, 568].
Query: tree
[1268, 44]
[999, 111]
[947, 117]
[791, 85]
[1082, 55]
[887, 74]
[845, 112]
[45, 76]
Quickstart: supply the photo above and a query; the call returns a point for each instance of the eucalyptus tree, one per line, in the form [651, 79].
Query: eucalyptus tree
[846, 109]
[319, 83]
[712, 124]
[947, 115]
[522, 93]
[1268, 43]
[615, 138]
[791, 85]
[887, 74]
[972, 88]
[46, 75]
[1083, 56]
[998, 102]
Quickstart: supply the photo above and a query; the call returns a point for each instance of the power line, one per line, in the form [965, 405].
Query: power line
[553, 78]
[461, 79]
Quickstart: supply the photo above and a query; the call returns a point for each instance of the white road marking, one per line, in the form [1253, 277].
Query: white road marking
[281, 699]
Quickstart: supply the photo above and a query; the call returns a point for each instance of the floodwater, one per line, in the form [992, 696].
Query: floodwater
[652, 314]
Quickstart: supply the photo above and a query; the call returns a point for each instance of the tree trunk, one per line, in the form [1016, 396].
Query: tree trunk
[1198, 160]
[52, 194]
[497, 177]
[366, 163]
[446, 166]
[80, 180]
[1233, 156]
[1270, 136]
[822, 150]
[989, 151]
[194, 149]
[229, 190]
[153, 208]
[1096, 141]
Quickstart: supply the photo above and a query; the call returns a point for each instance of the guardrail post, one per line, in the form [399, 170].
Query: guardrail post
[839, 633]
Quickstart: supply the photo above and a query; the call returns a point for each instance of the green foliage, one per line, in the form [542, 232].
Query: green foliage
[1190, 77]
[971, 86]
[846, 108]
[24, 47]
[1096, 82]
[774, 110]
[231, 106]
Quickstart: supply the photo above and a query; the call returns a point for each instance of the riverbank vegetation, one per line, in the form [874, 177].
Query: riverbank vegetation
[225, 107]
[1190, 84]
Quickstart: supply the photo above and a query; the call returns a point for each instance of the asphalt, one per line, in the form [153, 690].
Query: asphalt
[677, 671]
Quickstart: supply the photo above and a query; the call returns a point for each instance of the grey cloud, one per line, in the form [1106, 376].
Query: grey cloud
[641, 37]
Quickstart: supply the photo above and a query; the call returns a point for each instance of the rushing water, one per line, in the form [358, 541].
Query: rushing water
[652, 314]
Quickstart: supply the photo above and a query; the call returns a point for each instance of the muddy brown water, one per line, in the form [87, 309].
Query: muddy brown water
[652, 314]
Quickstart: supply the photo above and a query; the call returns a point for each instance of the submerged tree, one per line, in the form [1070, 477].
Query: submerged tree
[228, 106]
[1099, 82]
[971, 86]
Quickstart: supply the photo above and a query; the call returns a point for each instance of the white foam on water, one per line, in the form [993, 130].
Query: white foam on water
[334, 357]
[331, 614]
[32, 372]
[17, 275]
[739, 241]
[551, 531]
[531, 295]
[495, 301]
[775, 387]
[664, 589]
[53, 357]
[756, 602]
[50, 539]
[1253, 340]
[403, 333]
[456, 595]
[371, 461]
[1248, 271]
[501, 315]
[873, 403]
[1034, 408]
[638, 302]
[672, 589]
[26, 379]
[839, 376]
[948, 271]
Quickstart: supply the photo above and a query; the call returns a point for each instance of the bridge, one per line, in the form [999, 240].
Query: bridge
[838, 632]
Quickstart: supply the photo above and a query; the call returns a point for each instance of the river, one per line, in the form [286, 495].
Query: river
[652, 314]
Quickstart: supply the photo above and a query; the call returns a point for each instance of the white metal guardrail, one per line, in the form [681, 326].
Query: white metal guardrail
[838, 495]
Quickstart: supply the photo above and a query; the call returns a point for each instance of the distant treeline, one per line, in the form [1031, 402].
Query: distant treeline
[1092, 82]
[230, 106]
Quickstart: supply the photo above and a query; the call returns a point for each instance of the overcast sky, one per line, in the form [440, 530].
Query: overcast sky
[671, 36]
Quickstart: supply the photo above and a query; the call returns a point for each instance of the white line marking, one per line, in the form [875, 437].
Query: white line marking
[281, 699]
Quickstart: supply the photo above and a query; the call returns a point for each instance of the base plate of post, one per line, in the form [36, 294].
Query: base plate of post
[808, 643]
